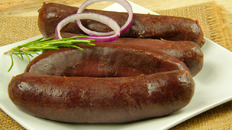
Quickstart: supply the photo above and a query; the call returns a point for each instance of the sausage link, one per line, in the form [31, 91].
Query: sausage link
[186, 51]
[103, 62]
[102, 85]
[143, 25]
[102, 100]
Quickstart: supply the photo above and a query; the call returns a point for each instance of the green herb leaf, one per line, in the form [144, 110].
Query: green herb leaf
[43, 44]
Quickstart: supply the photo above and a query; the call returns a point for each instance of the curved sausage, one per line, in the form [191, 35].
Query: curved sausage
[103, 62]
[143, 25]
[102, 85]
[186, 51]
[101, 100]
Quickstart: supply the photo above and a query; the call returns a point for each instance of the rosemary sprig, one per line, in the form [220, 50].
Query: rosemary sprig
[43, 44]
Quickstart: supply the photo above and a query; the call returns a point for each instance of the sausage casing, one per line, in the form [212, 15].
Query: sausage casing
[102, 85]
[143, 25]
[101, 100]
[186, 51]
[103, 62]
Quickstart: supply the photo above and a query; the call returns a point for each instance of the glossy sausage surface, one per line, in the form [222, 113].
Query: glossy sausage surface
[102, 85]
[102, 100]
[103, 62]
[186, 51]
[143, 25]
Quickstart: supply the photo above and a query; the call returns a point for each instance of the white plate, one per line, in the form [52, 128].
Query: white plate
[213, 87]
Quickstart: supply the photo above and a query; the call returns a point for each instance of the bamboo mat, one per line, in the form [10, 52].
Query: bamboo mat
[215, 24]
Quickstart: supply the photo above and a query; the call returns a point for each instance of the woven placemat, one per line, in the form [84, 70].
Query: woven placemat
[215, 25]
[213, 19]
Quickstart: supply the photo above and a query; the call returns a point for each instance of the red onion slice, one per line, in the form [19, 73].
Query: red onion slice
[93, 16]
[127, 24]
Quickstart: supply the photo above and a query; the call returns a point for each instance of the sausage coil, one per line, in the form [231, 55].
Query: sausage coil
[102, 85]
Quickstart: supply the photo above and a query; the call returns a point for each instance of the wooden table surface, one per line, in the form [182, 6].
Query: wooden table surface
[30, 7]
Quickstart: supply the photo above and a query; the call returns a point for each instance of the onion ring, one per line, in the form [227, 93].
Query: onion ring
[93, 16]
[127, 24]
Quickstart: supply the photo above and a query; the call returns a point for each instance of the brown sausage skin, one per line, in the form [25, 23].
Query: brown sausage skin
[102, 85]
[103, 62]
[143, 25]
[101, 100]
[186, 51]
